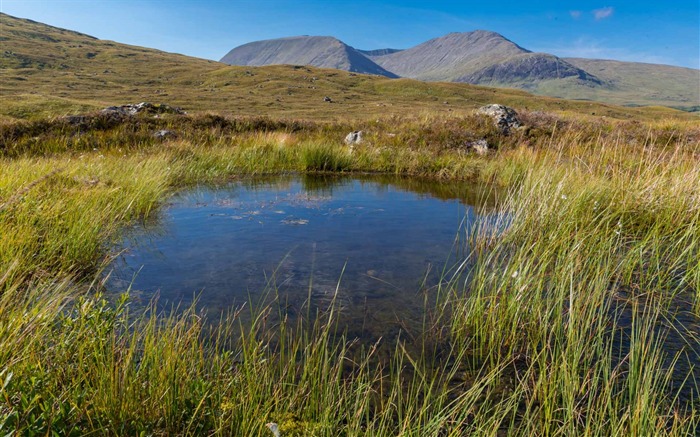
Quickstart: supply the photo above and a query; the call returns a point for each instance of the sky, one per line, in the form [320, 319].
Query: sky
[665, 32]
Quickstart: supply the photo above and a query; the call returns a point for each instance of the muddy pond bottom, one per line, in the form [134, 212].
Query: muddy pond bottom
[378, 246]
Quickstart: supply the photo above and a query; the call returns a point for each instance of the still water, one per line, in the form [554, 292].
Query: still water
[376, 246]
[379, 245]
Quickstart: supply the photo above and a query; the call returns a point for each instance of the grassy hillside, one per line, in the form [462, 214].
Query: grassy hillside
[50, 71]
[635, 83]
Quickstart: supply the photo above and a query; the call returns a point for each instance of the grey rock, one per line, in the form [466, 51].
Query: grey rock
[143, 107]
[328, 99]
[354, 138]
[164, 134]
[481, 147]
[504, 117]
[76, 120]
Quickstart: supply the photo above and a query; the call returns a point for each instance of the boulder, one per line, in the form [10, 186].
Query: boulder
[76, 120]
[481, 147]
[504, 117]
[353, 138]
[143, 107]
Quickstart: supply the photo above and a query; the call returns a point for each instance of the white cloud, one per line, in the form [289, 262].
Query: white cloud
[575, 14]
[603, 13]
[597, 49]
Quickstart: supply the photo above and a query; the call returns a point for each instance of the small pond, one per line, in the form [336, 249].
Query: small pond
[383, 242]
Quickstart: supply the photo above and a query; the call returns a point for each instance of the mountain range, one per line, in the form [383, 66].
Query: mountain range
[488, 58]
[46, 71]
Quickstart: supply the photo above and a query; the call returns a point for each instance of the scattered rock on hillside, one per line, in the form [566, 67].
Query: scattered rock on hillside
[164, 134]
[143, 107]
[504, 117]
[481, 147]
[354, 138]
[76, 120]
[328, 99]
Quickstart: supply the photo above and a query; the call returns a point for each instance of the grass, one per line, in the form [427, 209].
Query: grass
[557, 325]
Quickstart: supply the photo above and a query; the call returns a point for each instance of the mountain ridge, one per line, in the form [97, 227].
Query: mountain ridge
[483, 57]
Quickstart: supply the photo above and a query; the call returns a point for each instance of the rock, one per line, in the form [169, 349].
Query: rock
[143, 107]
[164, 134]
[354, 138]
[504, 117]
[76, 120]
[327, 99]
[481, 147]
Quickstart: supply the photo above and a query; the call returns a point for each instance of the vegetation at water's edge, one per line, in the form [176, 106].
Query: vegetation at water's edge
[558, 329]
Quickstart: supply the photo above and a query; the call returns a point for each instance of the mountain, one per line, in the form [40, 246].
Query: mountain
[479, 57]
[449, 57]
[487, 58]
[317, 51]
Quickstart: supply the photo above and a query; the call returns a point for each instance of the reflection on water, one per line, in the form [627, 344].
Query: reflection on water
[378, 245]
[381, 242]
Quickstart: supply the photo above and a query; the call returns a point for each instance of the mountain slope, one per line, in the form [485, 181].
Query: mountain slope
[317, 51]
[636, 83]
[378, 52]
[526, 68]
[450, 57]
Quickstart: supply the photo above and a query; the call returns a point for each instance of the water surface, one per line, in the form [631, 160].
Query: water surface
[378, 245]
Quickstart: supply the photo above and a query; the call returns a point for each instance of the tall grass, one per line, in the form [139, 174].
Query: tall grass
[558, 324]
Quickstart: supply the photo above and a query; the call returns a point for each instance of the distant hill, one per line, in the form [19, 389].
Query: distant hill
[378, 52]
[487, 58]
[48, 71]
[317, 51]
[636, 83]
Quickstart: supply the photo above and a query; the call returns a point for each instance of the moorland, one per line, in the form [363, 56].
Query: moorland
[559, 325]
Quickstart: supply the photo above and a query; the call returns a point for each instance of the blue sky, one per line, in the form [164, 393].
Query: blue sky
[665, 32]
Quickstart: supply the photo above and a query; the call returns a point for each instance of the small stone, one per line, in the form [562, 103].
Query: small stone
[481, 147]
[353, 138]
[75, 119]
[164, 134]
[327, 99]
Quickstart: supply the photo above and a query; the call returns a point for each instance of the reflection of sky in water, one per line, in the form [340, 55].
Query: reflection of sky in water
[385, 239]
[379, 240]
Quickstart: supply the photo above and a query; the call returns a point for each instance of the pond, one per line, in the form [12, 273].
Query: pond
[378, 245]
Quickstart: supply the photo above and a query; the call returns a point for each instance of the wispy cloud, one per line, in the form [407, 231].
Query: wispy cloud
[603, 13]
[597, 49]
[575, 14]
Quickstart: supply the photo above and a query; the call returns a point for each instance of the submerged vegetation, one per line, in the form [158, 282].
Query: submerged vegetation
[559, 323]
